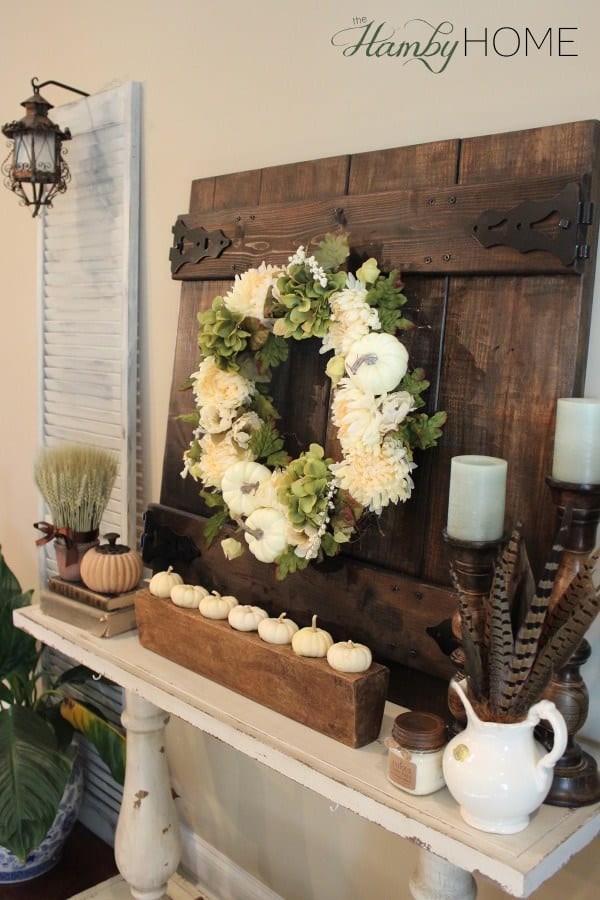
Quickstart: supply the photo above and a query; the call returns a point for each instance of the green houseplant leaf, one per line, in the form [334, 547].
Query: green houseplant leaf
[33, 777]
[36, 753]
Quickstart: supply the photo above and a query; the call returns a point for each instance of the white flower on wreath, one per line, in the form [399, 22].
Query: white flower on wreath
[376, 476]
[361, 418]
[213, 386]
[250, 290]
[218, 453]
[351, 317]
[215, 419]
[244, 427]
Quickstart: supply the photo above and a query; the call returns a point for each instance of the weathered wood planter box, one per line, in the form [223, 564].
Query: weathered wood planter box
[345, 707]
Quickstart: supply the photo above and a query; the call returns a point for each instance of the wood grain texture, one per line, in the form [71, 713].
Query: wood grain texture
[346, 707]
[501, 335]
[427, 230]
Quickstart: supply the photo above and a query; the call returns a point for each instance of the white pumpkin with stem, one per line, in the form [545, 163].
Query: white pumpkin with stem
[162, 582]
[265, 531]
[240, 484]
[246, 618]
[312, 641]
[377, 363]
[216, 606]
[346, 656]
[277, 631]
[188, 595]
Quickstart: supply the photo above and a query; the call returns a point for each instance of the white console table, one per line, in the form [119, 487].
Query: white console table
[146, 845]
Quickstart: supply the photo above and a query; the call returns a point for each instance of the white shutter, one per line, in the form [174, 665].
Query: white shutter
[88, 292]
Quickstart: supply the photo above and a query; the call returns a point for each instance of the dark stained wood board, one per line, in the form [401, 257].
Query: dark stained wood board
[501, 335]
[346, 707]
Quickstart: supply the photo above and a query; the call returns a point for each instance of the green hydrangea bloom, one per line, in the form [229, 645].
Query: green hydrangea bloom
[304, 489]
[221, 334]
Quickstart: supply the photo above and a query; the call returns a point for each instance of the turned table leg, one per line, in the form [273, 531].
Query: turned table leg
[436, 879]
[147, 844]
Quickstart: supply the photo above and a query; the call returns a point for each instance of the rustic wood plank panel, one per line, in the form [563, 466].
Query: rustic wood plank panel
[301, 181]
[425, 230]
[498, 348]
[499, 385]
[202, 193]
[552, 149]
[420, 165]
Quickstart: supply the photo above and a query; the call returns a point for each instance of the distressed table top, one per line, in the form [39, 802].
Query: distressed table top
[353, 778]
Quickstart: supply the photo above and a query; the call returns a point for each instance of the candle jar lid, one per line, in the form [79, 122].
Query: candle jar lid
[419, 731]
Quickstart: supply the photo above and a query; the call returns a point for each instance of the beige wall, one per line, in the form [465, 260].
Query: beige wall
[229, 86]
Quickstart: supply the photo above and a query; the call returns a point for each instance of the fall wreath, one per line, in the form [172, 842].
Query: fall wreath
[292, 511]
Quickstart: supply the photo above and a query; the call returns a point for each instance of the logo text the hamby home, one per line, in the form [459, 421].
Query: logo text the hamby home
[433, 44]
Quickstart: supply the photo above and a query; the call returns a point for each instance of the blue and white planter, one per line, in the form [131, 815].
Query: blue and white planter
[49, 852]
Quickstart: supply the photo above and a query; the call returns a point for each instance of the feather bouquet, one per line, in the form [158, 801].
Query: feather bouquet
[510, 663]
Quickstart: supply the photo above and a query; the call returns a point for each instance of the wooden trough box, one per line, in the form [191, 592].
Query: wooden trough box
[346, 707]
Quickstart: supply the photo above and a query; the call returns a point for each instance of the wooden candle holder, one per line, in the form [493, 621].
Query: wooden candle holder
[576, 780]
[473, 564]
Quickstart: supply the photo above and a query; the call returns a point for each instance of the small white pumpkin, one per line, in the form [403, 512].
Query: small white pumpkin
[188, 595]
[377, 362]
[215, 606]
[311, 641]
[265, 533]
[240, 484]
[162, 582]
[246, 618]
[277, 631]
[347, 656]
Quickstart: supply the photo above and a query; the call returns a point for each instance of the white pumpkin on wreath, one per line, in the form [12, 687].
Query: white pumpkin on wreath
[292, 511]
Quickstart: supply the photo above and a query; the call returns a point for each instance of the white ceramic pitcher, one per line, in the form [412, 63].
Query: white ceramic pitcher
[498, 773]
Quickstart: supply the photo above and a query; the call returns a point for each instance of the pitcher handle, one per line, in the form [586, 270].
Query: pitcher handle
[456, 686]
[546, 710]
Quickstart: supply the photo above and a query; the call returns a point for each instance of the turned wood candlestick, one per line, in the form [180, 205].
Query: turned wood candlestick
[473, 564]
[576, 780]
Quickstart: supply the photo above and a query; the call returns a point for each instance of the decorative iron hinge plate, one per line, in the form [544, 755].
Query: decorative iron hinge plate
[191, 245]
[557, 225]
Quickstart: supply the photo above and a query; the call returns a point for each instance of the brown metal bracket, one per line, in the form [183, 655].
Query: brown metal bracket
[557, 225]
[191, 245]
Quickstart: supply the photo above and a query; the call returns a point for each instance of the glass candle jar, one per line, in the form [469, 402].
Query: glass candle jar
[415, 751]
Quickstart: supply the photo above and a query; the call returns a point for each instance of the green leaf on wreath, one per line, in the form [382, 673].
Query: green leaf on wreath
[213, 526]
[263, 404]
[265, 442]
[212, 500]
[415, 383]
[288, 563]
[273, 352]
[332, 251]
[189, 418]
[422, 431]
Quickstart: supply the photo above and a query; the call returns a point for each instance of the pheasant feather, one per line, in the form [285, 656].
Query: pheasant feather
[501, 635]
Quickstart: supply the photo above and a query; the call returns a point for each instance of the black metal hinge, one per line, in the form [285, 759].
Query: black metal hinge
[191, 245]
[557, 225]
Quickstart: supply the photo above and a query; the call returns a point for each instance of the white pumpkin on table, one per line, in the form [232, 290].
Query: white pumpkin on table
[161, 583]
[246, 617]
[311, 641]
[346, 656]
[188, 596]
[277, 631]
[216, 606]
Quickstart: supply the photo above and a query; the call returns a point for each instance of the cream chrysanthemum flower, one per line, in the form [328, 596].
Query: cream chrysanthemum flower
[362, 418]
[218, 453]
[356, 417]
[213, 386]
[376, 476]
[351, 317]
[249, 292]
[215, 419]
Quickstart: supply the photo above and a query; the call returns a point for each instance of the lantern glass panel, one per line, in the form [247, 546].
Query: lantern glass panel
[44, 150]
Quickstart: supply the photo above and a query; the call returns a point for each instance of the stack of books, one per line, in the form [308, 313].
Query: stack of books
[103, 615]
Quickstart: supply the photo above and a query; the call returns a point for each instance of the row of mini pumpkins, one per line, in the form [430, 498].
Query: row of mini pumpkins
[344, 656]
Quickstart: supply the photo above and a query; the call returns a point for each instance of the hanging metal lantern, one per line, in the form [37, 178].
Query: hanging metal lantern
[35, 168]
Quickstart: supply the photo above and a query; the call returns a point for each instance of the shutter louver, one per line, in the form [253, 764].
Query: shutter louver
[89, 284]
